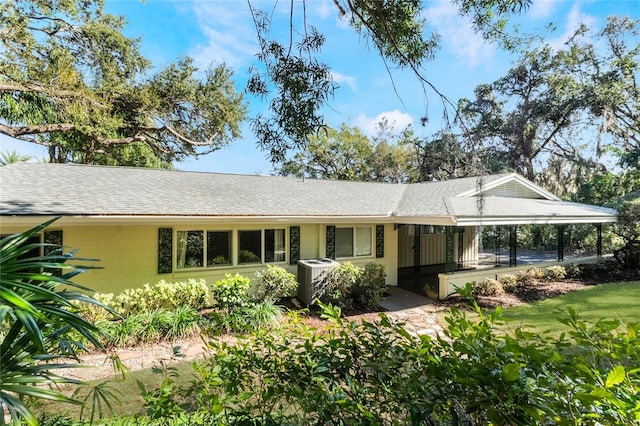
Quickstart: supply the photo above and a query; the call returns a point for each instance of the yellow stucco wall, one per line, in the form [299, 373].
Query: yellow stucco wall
[128, 254]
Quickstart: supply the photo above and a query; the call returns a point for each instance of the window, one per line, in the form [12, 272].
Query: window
[274, 250]
[251, 246]
[190, 249]
[353, 242]
[218, 248]
[200, 248]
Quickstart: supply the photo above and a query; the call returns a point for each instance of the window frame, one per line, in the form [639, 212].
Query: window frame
[355, 241]
[234, 247]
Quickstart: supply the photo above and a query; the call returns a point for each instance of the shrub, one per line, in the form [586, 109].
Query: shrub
[163, 294]
[231, 292]
[488, 287]
[573, 271]
[509, 282]
[370, 286]
[151, 326]
[336, 285]
[248, 318]
[555, 273]
[537, 274]
[274, 283]
[247, 256]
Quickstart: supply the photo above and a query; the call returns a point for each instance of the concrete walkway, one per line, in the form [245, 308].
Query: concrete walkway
[417, 312]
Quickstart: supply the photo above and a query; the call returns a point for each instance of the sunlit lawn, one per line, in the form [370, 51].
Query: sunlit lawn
[130, 401]
[619, 301]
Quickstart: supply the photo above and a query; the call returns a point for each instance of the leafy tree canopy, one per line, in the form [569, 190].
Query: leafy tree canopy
[298, 84]
[71, 81]
[348, 154]
[556, 110]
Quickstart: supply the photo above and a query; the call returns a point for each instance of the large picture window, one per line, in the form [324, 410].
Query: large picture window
[353, 241]
[200, 248]
[192, 247]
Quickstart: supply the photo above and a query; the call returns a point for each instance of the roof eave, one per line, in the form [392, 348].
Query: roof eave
[535, 220]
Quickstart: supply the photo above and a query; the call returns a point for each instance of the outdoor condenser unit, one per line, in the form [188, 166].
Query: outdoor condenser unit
[310, 275]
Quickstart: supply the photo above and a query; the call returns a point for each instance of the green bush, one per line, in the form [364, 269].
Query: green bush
[151, 326]
[369, 288]
[248, 318]
[274, 283]
[163, 294]
[555, 273]
[231, 292]
[473, 375]
[336, 285]
[488, 287]
[509, 282]
[349, 286]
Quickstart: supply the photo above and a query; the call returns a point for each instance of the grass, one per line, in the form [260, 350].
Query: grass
[619, 301]
[128, 392]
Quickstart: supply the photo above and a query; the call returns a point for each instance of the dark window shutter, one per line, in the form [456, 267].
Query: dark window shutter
[331, 242]
[165, 250]
[294, 244]
[54, 238]
[379, 241]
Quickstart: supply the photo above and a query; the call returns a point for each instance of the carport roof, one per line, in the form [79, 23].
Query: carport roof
[80, 191]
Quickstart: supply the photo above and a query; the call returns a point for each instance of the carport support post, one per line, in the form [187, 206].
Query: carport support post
[599, 241]
[417, 251]
[513, 245]
[448, 259]
[560, 243]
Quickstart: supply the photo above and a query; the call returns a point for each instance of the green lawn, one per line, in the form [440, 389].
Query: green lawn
[609, 301]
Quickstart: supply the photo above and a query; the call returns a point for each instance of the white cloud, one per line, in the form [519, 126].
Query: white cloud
[574, 19]
[541, 9]
[458, 35]
[395, 119]
[229, 32]
[346, 79]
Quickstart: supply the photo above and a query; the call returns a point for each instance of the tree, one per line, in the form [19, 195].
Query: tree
[39, 321]
[628, 228]
[348, 154]
[444, 156]
[300, 85]
[71, 81]
[534, 116]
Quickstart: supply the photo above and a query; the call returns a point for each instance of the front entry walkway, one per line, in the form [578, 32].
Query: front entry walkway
[417, 312]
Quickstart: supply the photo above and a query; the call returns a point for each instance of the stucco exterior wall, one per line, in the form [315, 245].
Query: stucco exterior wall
[128, 254]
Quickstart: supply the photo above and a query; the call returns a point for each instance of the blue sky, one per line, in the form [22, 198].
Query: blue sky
[216, 31]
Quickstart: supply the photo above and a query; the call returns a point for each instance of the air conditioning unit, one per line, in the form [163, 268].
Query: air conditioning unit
[311, 272]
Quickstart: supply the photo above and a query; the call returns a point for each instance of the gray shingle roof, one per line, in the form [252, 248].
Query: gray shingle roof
[34, 189]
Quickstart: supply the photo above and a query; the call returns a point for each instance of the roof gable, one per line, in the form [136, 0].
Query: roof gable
[511, 185]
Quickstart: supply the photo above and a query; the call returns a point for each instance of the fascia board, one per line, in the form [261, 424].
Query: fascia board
[487, 221]
[21, 221]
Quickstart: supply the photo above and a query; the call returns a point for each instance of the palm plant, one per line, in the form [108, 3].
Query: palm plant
[38, 320]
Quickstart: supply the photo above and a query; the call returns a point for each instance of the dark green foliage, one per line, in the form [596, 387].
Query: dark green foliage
[377, 373]
[39, 323]
[349, 286]
[369, 289]
[72, 81]
[628, 227]
[274, 283]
